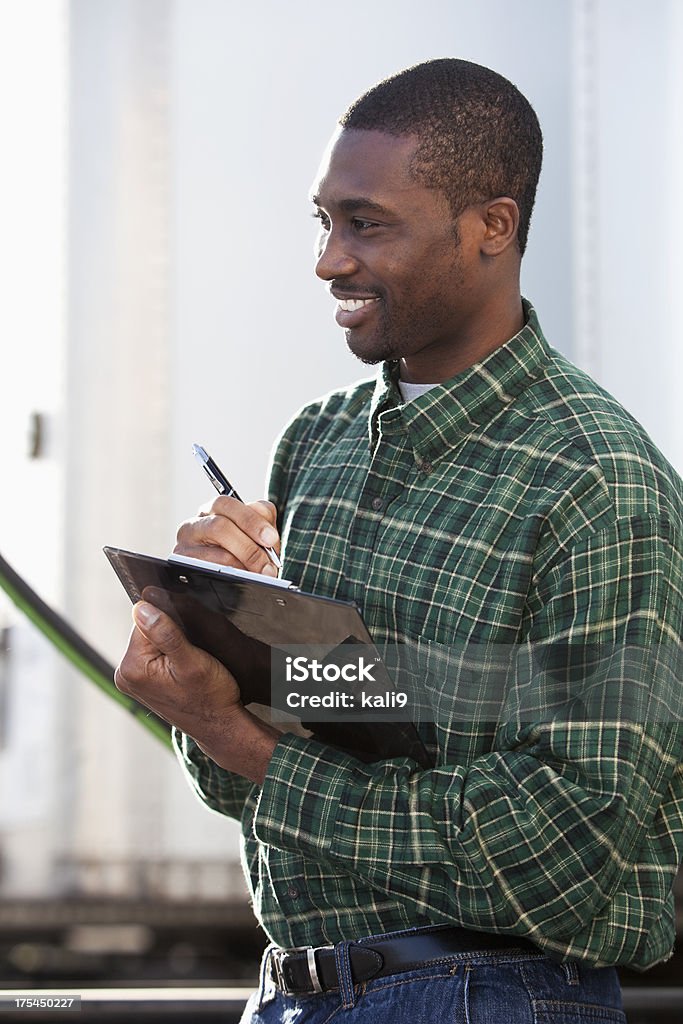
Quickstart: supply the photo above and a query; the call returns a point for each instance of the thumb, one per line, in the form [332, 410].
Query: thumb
[266, 509]
[160, 630]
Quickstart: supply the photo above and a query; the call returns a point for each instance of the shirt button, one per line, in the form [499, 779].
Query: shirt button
[377, 504]
[426, 467]
[293, 892]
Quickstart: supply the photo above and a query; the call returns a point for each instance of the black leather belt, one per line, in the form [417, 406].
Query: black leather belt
[308, 970]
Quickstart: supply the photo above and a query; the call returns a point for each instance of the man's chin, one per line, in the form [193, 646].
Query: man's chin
[368, 360]
[368, 351]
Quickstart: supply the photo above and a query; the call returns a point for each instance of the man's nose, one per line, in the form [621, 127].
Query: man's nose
[334, 257]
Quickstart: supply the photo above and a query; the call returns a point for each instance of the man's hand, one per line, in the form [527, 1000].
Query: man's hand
[232, 533]
[191, 690]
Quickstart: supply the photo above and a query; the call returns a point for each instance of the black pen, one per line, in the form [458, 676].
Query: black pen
[223, 486]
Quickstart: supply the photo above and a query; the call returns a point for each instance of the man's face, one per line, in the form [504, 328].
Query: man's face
[403, 272]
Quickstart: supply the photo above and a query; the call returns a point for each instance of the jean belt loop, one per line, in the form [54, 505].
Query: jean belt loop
[266, 988]
[343, 965]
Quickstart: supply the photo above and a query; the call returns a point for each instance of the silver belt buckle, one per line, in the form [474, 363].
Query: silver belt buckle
[277, 957]
[313, 969]
[276, 970]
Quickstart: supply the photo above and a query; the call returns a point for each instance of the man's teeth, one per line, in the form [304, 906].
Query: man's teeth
[349, 305]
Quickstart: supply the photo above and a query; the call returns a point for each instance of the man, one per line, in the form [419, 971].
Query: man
[482, 494]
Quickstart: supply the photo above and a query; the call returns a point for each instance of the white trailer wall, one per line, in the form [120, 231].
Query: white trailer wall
[195, 128]
[33, 107]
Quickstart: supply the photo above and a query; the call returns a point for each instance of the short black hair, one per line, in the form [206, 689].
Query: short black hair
[479, 137]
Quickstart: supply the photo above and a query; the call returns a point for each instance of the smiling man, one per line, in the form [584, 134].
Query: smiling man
[480, 494]
[410, 277]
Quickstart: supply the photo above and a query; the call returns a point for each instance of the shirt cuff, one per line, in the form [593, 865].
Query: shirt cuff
[221, 791]
[301, 795]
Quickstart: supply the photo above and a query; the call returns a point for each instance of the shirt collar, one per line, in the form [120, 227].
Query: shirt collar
[454, 409]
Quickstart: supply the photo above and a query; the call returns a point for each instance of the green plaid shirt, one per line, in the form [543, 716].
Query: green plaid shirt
[516, 504]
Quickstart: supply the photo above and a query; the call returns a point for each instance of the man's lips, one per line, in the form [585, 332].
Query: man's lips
[352, 307]
[353, 312]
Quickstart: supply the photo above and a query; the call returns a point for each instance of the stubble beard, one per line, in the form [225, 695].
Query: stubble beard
[394, 337]
[379, 348]
[399, 337]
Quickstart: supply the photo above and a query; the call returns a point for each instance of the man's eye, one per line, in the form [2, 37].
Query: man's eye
[363, 225]
[323, 218]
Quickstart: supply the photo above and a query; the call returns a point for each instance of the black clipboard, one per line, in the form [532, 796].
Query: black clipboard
[243, 618]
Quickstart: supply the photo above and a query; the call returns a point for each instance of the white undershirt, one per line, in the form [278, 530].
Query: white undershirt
[411, 391]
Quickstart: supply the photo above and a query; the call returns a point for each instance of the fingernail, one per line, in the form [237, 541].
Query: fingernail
[145, 614]
[269, 536]
[269, 570]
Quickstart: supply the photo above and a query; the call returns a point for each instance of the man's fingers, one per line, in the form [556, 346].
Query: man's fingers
[266, 509]
[231, 533]
[249, 518]
[161, 632]
[183, 684]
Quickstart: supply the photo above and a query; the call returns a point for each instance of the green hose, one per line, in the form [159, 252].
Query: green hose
[75, 649]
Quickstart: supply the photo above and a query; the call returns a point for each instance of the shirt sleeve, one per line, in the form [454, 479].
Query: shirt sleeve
[221, 791]
[540, 835]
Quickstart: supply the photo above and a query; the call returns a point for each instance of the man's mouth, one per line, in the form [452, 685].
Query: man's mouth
[353, 312]
[351, 305]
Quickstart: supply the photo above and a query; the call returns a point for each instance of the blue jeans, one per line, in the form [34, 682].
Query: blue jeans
[468, 988]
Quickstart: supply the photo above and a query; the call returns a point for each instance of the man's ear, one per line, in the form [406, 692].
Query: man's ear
[501, 218]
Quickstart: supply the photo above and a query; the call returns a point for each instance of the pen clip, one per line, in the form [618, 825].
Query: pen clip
[211, 470]
[217, 483]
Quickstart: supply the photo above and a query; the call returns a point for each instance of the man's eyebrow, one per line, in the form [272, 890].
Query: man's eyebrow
[355, 204]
